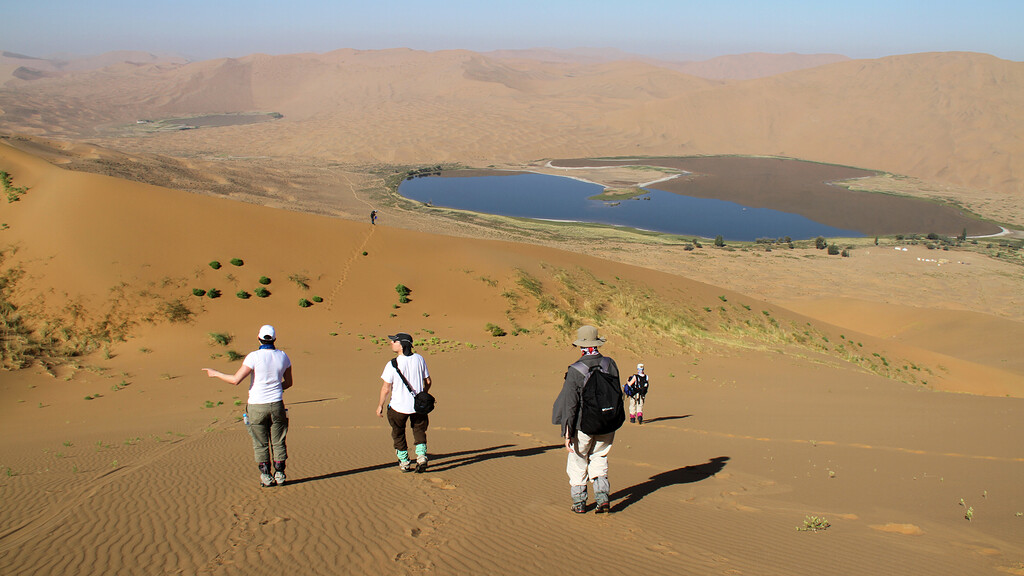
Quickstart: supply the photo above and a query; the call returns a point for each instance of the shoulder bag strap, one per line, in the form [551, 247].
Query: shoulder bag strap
[394, 363]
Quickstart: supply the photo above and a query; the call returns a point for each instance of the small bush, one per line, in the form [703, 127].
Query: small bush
[237, 262]
[495, 330]
[264, 280]
[213, 293]
[234, 356]
[177, 311]
[243, 294]
[403, 293]
[220, 338]
[304, 303]
[833, 250]
[215, 265]
[719, 241]
[820, 243]
[302, 281]
[317, 299]
[198, 292]
[262, 292]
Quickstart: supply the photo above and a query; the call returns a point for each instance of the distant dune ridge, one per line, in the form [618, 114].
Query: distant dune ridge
[948, 117]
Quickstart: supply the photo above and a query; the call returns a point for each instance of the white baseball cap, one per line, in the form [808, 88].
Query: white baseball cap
[267, 333]
[640, 367]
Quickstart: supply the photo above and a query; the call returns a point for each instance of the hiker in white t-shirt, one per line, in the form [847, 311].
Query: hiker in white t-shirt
[400, 409]
[270, 372]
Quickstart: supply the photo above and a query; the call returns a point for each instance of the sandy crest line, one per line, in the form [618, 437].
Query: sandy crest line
[841, 444]
[639, 185]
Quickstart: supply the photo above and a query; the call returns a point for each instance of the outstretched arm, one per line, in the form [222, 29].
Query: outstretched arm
[234, 380]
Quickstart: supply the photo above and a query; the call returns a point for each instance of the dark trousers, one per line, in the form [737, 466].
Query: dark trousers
[419, 428]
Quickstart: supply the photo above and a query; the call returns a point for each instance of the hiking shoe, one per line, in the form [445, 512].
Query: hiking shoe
[421, 464]
[579, 507]
[603, 508]
[632, 420]
[266, 480]
[279, 478]
[639, 419]
[405, 466]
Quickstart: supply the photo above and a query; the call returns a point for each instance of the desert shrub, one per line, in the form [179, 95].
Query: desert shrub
[719, 241]
[688, 247]
[177, 311]
[301, 280]
[198, 292]
[262, 292]
[820, 243]
[234, 356]
[403, 293]
[495, 330]
[932, 236]
[845, 253]
[220, 338]
[215, 265]
[317, 299]
[304, 303]
[264, 280]
[833, 250]
[243, 294]
[365, 253]
[213, 293]
[237, 262]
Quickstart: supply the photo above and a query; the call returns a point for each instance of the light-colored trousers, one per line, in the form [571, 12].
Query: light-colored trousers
[268, 426]
[636, 405]
[590, 459]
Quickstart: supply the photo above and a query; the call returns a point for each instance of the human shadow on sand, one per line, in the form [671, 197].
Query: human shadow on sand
[445, 465]
[685, 475]
[664, 418]
[441, 462]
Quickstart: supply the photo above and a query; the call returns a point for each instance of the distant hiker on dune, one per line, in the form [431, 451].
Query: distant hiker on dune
[405, 378]
[589, 410]
[636, 389]
[373, 217]
[265, 415]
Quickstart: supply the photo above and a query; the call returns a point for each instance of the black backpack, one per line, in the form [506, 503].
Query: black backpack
[601, 408]
[641, 384]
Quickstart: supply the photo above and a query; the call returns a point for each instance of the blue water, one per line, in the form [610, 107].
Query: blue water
[546, 197]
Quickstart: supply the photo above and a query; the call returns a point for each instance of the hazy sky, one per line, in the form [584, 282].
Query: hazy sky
[216, 28]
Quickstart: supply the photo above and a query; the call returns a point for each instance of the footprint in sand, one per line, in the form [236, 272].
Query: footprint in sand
[442, 484]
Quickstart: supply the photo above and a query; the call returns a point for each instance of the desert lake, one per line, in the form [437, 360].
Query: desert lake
[739, 198]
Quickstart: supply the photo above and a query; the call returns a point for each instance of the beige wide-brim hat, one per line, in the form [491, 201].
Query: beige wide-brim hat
[586, 337]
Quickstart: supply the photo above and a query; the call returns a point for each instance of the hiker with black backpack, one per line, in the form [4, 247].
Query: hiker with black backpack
[636, 389]
[589, 410]
[406, 382]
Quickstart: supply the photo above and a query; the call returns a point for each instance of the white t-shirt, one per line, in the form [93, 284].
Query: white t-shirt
[415, 370]
[268, 368]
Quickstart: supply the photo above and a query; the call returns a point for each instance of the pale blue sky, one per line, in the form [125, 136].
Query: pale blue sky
[215, 28]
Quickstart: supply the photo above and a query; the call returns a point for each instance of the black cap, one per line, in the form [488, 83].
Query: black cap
[401, 337]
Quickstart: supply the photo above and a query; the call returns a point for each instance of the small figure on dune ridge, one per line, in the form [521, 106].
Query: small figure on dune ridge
[636, 389]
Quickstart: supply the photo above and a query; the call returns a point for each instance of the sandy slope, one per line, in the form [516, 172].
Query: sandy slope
[745, 436]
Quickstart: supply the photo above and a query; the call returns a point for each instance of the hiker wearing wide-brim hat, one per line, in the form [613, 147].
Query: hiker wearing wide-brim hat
[588, 432]
[265, 416]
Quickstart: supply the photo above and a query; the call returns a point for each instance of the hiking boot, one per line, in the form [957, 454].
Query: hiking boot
[640, 419]
[632, 419]
[266, 480]
[603, 508]
[421, 464]
[579, 507]
[405, 466]
[279, 478]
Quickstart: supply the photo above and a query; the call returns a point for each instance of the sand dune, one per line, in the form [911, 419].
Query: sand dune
[946, 117]
[751, 426]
